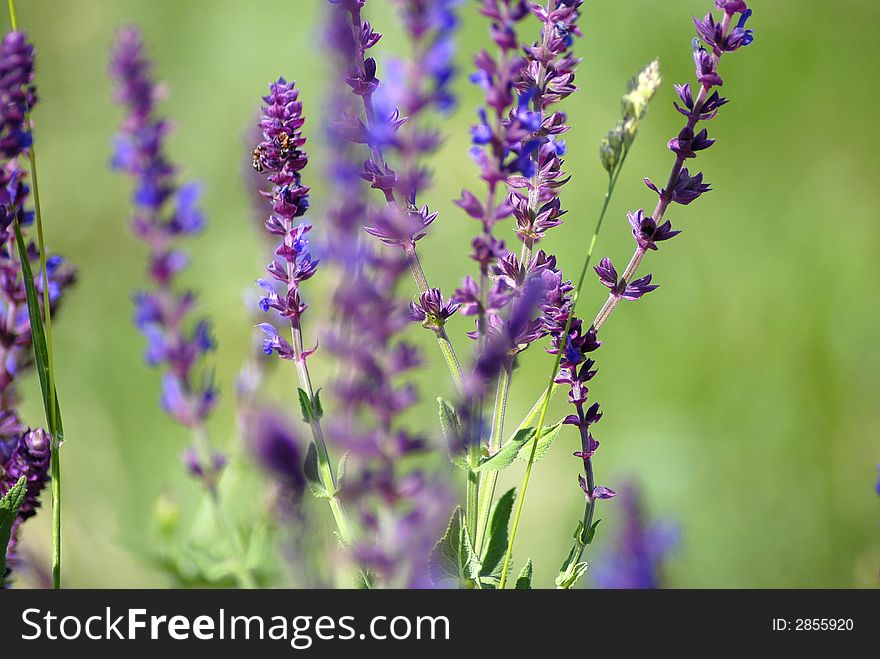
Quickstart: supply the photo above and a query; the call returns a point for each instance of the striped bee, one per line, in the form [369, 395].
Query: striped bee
[257, 161]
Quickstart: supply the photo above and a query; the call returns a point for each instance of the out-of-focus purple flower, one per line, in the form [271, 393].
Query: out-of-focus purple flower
[273, 442]
[402, 510]
[17, 93]
[731, 6]
[640, 549]
[164, 213]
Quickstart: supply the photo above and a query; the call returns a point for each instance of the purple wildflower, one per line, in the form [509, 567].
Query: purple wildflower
[164, 212]
[633, 291]
[646, 231]
[401, 510]
[17, 93]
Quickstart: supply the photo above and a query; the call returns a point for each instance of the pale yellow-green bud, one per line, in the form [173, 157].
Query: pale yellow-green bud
[633, 107]
[611, 148]
[640, 90]
[166, 512]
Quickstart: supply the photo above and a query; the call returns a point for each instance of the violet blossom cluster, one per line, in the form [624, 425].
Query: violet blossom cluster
[520, 147]
[281, 157]
[164, 213]
[23, 451]
[401, 511]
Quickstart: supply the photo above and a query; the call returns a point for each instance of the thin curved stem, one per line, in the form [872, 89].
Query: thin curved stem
[548, 392]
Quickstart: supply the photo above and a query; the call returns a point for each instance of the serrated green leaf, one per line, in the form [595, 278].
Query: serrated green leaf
[305, 406]
[524, 580]
[310, 471]
[10, 504]
[38, 336]
[507, 453]
[450, 426]
[443, 563]
[468, 560]
[498, 523]
[548, 436]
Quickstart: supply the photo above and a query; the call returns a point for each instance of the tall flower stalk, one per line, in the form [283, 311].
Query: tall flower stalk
[19, 96]
[682, 188]
[164, 213]
[381, 126]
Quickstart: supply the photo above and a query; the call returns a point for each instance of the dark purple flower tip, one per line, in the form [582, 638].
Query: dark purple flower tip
[687, 144]
[432, 310]
[708, 109]
[687, 188]
[638, 288]
[731, 6]
[607, 273]
[646, 231]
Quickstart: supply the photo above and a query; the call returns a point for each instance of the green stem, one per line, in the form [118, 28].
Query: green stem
[51, 420]
[325, 468]
[202, 445]
[487, 487]
[545, 404]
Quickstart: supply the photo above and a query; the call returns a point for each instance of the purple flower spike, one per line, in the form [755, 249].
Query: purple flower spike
[164, 213]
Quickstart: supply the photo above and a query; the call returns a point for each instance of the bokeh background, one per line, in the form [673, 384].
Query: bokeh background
[742, 395]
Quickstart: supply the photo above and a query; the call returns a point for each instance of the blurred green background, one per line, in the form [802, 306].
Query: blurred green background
[742, 394]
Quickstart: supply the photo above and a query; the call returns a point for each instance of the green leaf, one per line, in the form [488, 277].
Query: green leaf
[507, 453]
[38, 335]
[450, 425]
[310, 470]
[443, 564]
[569, 577]
[588, 537]
[305, 406]
[9, 507]
[548, 436]
[524, 580]
[318, 409]
[497, 545]
[453, 557]
[468, 559]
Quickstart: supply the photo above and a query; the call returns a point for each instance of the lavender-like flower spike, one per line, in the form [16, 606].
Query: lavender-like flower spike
[18, 93]
[164, 212]
[281, 157]
[682, 187]
[640, 549]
